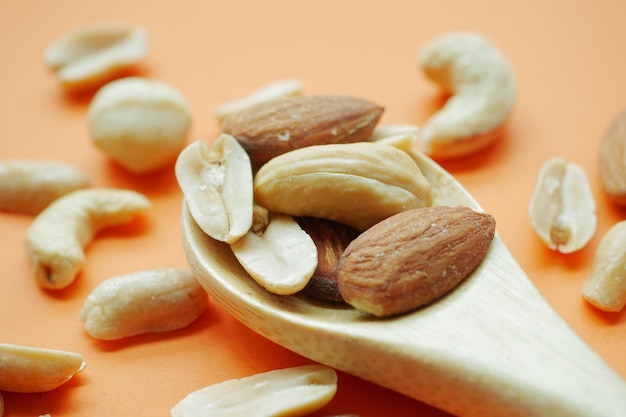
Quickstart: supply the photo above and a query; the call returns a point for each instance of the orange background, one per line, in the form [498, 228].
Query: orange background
[570, 65]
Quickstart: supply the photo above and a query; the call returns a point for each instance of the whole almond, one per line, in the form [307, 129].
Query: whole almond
[277, 126]
[331, 240]
[612, 165]
[413, 258]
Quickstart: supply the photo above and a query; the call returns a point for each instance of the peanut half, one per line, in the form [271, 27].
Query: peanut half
[272, 91]
[612, 167]
[281, 258]
[29, 186]
[562, 208]
[141, 124]
[148, 301]
[289, 392]
[34, 369]
[482, 86]
[217, 185]
[605, 287]
[357, 184]
[56, 238]
[90, 56]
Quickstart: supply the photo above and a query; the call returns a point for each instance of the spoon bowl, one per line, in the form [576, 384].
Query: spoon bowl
[491, 347]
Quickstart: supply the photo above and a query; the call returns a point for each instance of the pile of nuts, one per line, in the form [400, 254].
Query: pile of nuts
[311, 195]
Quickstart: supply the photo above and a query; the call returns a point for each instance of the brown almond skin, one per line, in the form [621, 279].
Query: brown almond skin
[278, 126]
[331, 239]
[413, 258]
[612, 165]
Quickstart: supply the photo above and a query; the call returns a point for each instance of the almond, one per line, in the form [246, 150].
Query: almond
[413, 258]
[274, 127]
[613, 160]
[331, 240]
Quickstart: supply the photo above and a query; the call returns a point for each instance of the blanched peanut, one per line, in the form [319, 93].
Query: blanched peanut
[141, 124]
[217, 185]
[605, 288]
[282, 258]
[33, 369]
[92, 55]
[562, 207]
[403, 137]
[28, 186]
[56, 239]
[149, 301]
[289, 392]
[272, 91]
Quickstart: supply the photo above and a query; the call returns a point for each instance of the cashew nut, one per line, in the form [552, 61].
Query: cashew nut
[157, 300]
[56, 239]
[272, 91]
[294, 392]
[30, 186]
[482, 86]
[92, 55]
[34, 369]
[217, 185]
[605, 287]
[141, 124]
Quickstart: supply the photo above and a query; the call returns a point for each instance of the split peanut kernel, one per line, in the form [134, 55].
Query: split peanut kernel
[562, 207]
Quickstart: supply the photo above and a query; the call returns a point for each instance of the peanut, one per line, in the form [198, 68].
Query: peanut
[34, 369]
[148, 301]
[289, 392]
[28, 186]
[92, 55]
[141, 124]
[56, 238]
[282, 258]
[562, 207]
[217, 185]
[605, 287]
[272, 91]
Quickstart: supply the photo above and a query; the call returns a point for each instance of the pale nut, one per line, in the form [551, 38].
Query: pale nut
[92, 55]
[34, 369]
[150, 301]
[331, 240]
[29, 186]
[57, 237]
[403, 137]
[612, 166]
[482, 89]
[282, 258]
[289, 392]
[356, 184]
[562, 208]
[277, 126]
[272, 91]
[605, 287]
[217, 186]
[141, 124]
[413, 258]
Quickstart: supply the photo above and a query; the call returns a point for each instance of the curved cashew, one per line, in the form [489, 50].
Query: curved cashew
[483, 90]
[150, 301]
[30, 186]
[34, 369]
[56, 239]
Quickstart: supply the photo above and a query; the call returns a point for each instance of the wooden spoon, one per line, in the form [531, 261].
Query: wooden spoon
[492, 347]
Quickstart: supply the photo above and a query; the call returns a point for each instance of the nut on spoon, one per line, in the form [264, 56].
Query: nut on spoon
[493, 346]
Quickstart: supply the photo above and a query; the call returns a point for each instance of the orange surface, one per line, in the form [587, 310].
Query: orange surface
[570, 66]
